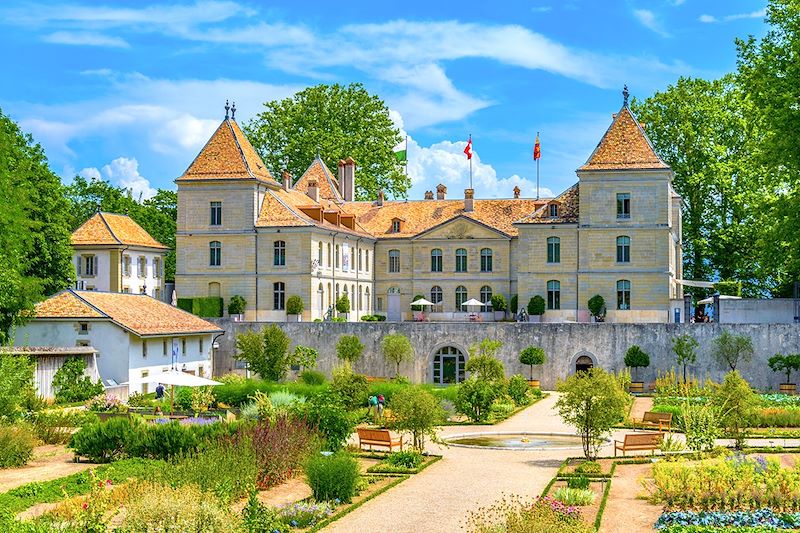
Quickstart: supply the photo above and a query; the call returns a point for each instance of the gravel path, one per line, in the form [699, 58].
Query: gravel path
[440, 498]
[49, 462]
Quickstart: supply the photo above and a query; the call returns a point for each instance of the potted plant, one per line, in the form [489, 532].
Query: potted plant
[294, 308]
[532, 355]
[499, 306]
[636, 358]
[597, 308]
[785, 363]
[236, 307]
[535, 309]
[343, 305]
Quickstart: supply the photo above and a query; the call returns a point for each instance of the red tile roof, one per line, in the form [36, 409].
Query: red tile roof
[138, 313]
[624, 146]
[328, 185]
[568, 209]
[106, 229]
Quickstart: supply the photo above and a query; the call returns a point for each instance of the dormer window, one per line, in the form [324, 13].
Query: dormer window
[397, 225]
[553, 208]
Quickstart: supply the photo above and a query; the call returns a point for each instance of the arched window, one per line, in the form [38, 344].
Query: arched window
[366, 260]
[321, 294]
[360, 292]
[394, 261]
[213, 289]
[436, 260]
[360, 258]
[623, 249]
[353, 298]
[436, 295]
[448, 365]
[215, 253]
[279, 253]
[337, 294]
[279, 296]
[486, 260]
[461, 297]
[336, 258]
[486, 297]
[330, 295]
[461, 260]
[330, 259]
[319, 255]
[553, 250]
[623, 294]
[554, 294]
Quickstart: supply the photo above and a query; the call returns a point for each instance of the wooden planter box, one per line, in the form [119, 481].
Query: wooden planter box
[637, 387]
[788, 388]
[534, 384]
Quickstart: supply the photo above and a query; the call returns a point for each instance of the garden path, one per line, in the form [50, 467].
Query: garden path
[625, 510]
[640, 407]
[49, 462]
[440, 498]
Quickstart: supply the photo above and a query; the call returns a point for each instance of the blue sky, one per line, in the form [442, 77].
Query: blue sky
[130, 91]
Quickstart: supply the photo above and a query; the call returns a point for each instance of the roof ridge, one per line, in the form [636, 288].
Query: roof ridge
[86, 302]
[604, 145]
[239, 147]
[108, 226]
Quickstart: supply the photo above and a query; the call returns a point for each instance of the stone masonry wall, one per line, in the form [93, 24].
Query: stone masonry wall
[564, 343]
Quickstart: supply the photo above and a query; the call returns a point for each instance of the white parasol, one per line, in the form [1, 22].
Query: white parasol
[472, 302]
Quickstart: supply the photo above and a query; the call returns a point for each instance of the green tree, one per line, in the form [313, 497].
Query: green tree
[71, 384]
[34, 227]
[729, 349]
[336, 122]
[536, 305]
[237, 305]
[343, 304]
[16, 385]
[707, 132]
[737, 404]
[785, 363]
[304, 356]
[396, 349]
[475, 397]
[591, 402]
[349, 348]
[685, 348]
[636, 358]
[482, 362]
[417, 412]
[597, 307]
[294, 305]
[266, 353]
[532, 355]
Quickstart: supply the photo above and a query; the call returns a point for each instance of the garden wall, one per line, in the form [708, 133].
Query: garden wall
[605, 344]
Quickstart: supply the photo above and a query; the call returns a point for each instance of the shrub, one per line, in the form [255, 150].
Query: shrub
[519, 390]
[351, 387]
[249, 411]
[592, 402]
[303, 515]
[202, 398]
[304, 356]
[410, 460]
[333, 477]
[536, 305]
[482, 361]
[312, 377]
[512, 515]
[498, 302]
[514, 304]
[16, 446]
[343, 304]
[236, 305]
[294, 305]
[281, 447]
[737, 403]
[349, 348]
[264, 406]
[532, 355]
[418, 412]
[729, 349]
[588, 467]
[104, 441]
[396, 348]
[183, 399]
[636, 358]
[328, 416]
[675, 410]
[163, 508]
[260, 518]
[579, 482]
[283, 399]
[56, 427]
[701, 426]
[579, 497]
[16, 385]
[266, 353]
[338, 319]
[597, 306]
[475, 398]
[71, 384]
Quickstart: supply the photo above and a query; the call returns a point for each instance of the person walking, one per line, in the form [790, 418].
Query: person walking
[373, 408]
[381, 405]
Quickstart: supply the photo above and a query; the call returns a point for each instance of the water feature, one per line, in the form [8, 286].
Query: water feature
[516, 441]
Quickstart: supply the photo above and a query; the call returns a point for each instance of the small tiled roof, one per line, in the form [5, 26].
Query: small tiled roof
[48, 350]
[568, 209]
[228, 155]
[422, 215]
[104, 229]
[328, 185]
[624, 146]
[283, 208]
[137, 313]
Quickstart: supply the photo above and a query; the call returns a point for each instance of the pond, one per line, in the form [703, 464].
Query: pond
[516, 441]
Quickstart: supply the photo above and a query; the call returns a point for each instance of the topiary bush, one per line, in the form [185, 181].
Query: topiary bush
[514, 304]
[236, 305]
[519, 390]
[536, 305]
[333, 477]
[636, 358]
[349, 348]
[294, 305]
[498, 302]
[597, 306]
[16, 446]
[343, 304]
[532, 355]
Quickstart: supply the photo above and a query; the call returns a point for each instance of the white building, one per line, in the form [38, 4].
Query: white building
[135, 336]
[112, 253]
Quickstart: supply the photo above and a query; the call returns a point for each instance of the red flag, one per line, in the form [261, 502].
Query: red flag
[468, 148]
[537, 151]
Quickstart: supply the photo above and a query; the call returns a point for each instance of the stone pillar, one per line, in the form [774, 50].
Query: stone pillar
[687, 308]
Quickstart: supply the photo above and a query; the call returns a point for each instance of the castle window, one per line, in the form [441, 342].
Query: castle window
[436, 260]
[486, 260]
[486, 297]
[554, 294]
[553, 250]
[394, 261]
[89, 265]
[278, 296]
[623, 249]
[436, 294]
[337, 256]
[396, 224]
[142, 266]
[461, 297]
[623, 294]
[624, 205]
[215, 253]
[461, 260]
[319, 254]
[279, 253]
[216, 213]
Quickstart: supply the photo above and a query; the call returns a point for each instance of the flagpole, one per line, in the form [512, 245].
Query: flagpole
[537, 170]
[406, 161]
[470, 161]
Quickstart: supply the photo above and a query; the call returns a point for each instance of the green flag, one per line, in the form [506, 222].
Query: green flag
[401, 155]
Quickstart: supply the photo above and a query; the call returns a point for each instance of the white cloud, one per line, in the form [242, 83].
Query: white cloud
[542, 9]
[649, 20]
[84, 38]
[708, 19]
[123, 172]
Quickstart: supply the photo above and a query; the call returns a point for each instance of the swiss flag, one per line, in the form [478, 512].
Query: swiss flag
[468, 148]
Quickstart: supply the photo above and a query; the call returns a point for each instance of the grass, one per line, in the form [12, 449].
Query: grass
[385, 468]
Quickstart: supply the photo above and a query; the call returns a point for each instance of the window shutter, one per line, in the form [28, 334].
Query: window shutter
[78, 269]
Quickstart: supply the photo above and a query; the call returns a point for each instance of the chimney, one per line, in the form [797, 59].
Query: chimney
[379, 203]
[441, 191]
[469, 194]
[429, 195]
[313, 189]
[287, 180]
[516, 191]
[347, 179]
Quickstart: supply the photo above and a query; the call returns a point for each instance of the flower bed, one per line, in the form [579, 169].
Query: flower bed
[387, 467]
[760, 517]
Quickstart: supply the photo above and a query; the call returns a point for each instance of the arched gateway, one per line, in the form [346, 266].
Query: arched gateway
[448, 365]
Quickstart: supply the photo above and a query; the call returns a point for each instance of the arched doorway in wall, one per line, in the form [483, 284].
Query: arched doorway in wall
[448, 365]
[583, 363]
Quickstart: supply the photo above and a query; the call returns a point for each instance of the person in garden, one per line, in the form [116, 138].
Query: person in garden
[373, 408]
[381, 405]
[159, 391]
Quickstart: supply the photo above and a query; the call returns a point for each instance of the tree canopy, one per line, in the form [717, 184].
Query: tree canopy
[336, 122]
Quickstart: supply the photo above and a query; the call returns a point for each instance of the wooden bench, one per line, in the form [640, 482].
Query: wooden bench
[662, 421]
[639, 441]
[378, 437]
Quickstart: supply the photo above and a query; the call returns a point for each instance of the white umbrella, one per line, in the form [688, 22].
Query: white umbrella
[421, 302]
[177, 378]
[472, 302]
[710, 300]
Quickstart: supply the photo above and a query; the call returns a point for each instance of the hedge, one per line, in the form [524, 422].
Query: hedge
[209, 306]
